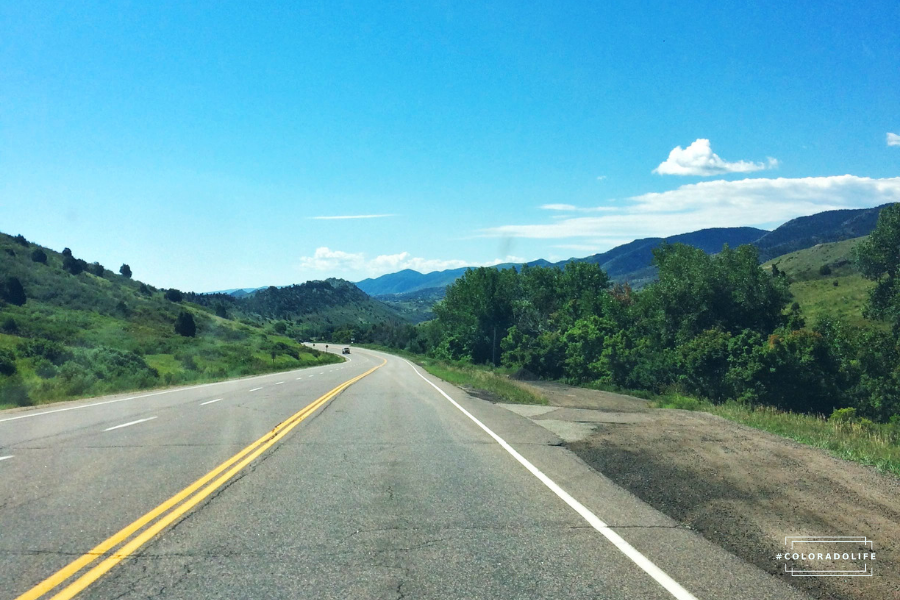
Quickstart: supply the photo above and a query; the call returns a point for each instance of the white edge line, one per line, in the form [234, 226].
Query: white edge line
[660, 576]
[209, 402]
[128, 424]
[5, 457]
[183, 389]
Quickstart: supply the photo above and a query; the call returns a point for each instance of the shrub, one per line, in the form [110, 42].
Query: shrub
[9, 325]
[20, 239]
[73, 265]
[174, 295]
[13, 391]
[7, 362]
[39, 256]
[843, 415]
[13, 292]
[96, 269]
[54, 352]
[184, 324]
[144, 289]
[825, 270]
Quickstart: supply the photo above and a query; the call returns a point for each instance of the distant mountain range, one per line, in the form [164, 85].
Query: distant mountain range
[632, 262]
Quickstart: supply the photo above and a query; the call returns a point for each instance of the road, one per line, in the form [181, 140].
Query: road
[397, 486]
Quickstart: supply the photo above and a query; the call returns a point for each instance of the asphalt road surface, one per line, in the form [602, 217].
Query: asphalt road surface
[298, 485]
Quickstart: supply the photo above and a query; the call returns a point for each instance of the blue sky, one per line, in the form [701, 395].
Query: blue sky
[197, 142]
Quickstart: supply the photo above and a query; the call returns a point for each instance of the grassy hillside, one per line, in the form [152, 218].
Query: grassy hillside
[416, 307]
[839, 290]
[97, 332]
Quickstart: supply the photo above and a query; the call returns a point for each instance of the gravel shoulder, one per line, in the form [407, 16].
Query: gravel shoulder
[741, 488]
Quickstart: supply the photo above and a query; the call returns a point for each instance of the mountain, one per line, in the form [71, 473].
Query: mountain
[623, 262]
[806, 232]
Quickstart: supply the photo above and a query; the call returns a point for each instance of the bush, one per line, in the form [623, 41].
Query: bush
[7, 362]
[174, 295]
[39, 256]
[13, 391]
[825, 270]
[96, 269]
[9, 325]
[144, 289]
[73, 265]
[843, 415]
[20, 239]
[52, 351]
[13, 292]
[184, 324]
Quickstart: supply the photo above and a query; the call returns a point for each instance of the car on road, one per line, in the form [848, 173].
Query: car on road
[346, 350]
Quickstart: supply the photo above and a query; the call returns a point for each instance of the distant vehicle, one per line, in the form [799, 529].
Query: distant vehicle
[346, 350]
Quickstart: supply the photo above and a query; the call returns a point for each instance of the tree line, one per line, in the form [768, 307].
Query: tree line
[718, 327]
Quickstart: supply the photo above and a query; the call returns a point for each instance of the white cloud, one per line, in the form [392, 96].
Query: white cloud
[746, 202]
[558, 207]
[699, 159]
[893, 139]
[341, 217]
[336, 263]
[601, 177]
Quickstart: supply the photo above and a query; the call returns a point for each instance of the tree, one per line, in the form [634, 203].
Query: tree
[221, 311]
[39, 256]
[71, 264]
[13, 292]
[184, 324]
[825, 270]
[96, 269]
[125, 270]
[174, 295]
[20, 239]
[878, 259]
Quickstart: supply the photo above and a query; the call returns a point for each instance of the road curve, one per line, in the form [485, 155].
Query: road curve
[380, 482]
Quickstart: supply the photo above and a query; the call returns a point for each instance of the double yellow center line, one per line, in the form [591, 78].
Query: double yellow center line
[172, 509]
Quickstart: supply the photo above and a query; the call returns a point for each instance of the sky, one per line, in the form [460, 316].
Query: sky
[221, 145]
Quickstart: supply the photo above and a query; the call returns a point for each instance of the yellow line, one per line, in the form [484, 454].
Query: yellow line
[255, 449]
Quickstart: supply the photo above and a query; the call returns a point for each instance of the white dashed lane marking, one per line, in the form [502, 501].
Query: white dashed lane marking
[209, 402]
[129, 424]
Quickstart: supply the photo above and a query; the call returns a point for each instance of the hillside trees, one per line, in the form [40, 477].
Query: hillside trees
[125, 271]
[879, 260]
[39, 256]
[185, 325]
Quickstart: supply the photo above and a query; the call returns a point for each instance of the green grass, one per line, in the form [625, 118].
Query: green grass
[495, 382]
[816, 293]
[861, 441]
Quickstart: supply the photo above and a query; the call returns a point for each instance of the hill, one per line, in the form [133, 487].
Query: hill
[825, 281]
[314, 308]
[85, 330]
[824, 227]
[416, 307]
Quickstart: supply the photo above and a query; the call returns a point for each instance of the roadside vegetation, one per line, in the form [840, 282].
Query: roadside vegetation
[720, 333]
[70, 329]
[496, 384]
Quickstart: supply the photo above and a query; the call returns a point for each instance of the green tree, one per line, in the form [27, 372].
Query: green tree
[173, 295]
[125, 270]
[20, 239]
[96, 269]
[184, 324]
[878, 259]
[39, 256]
